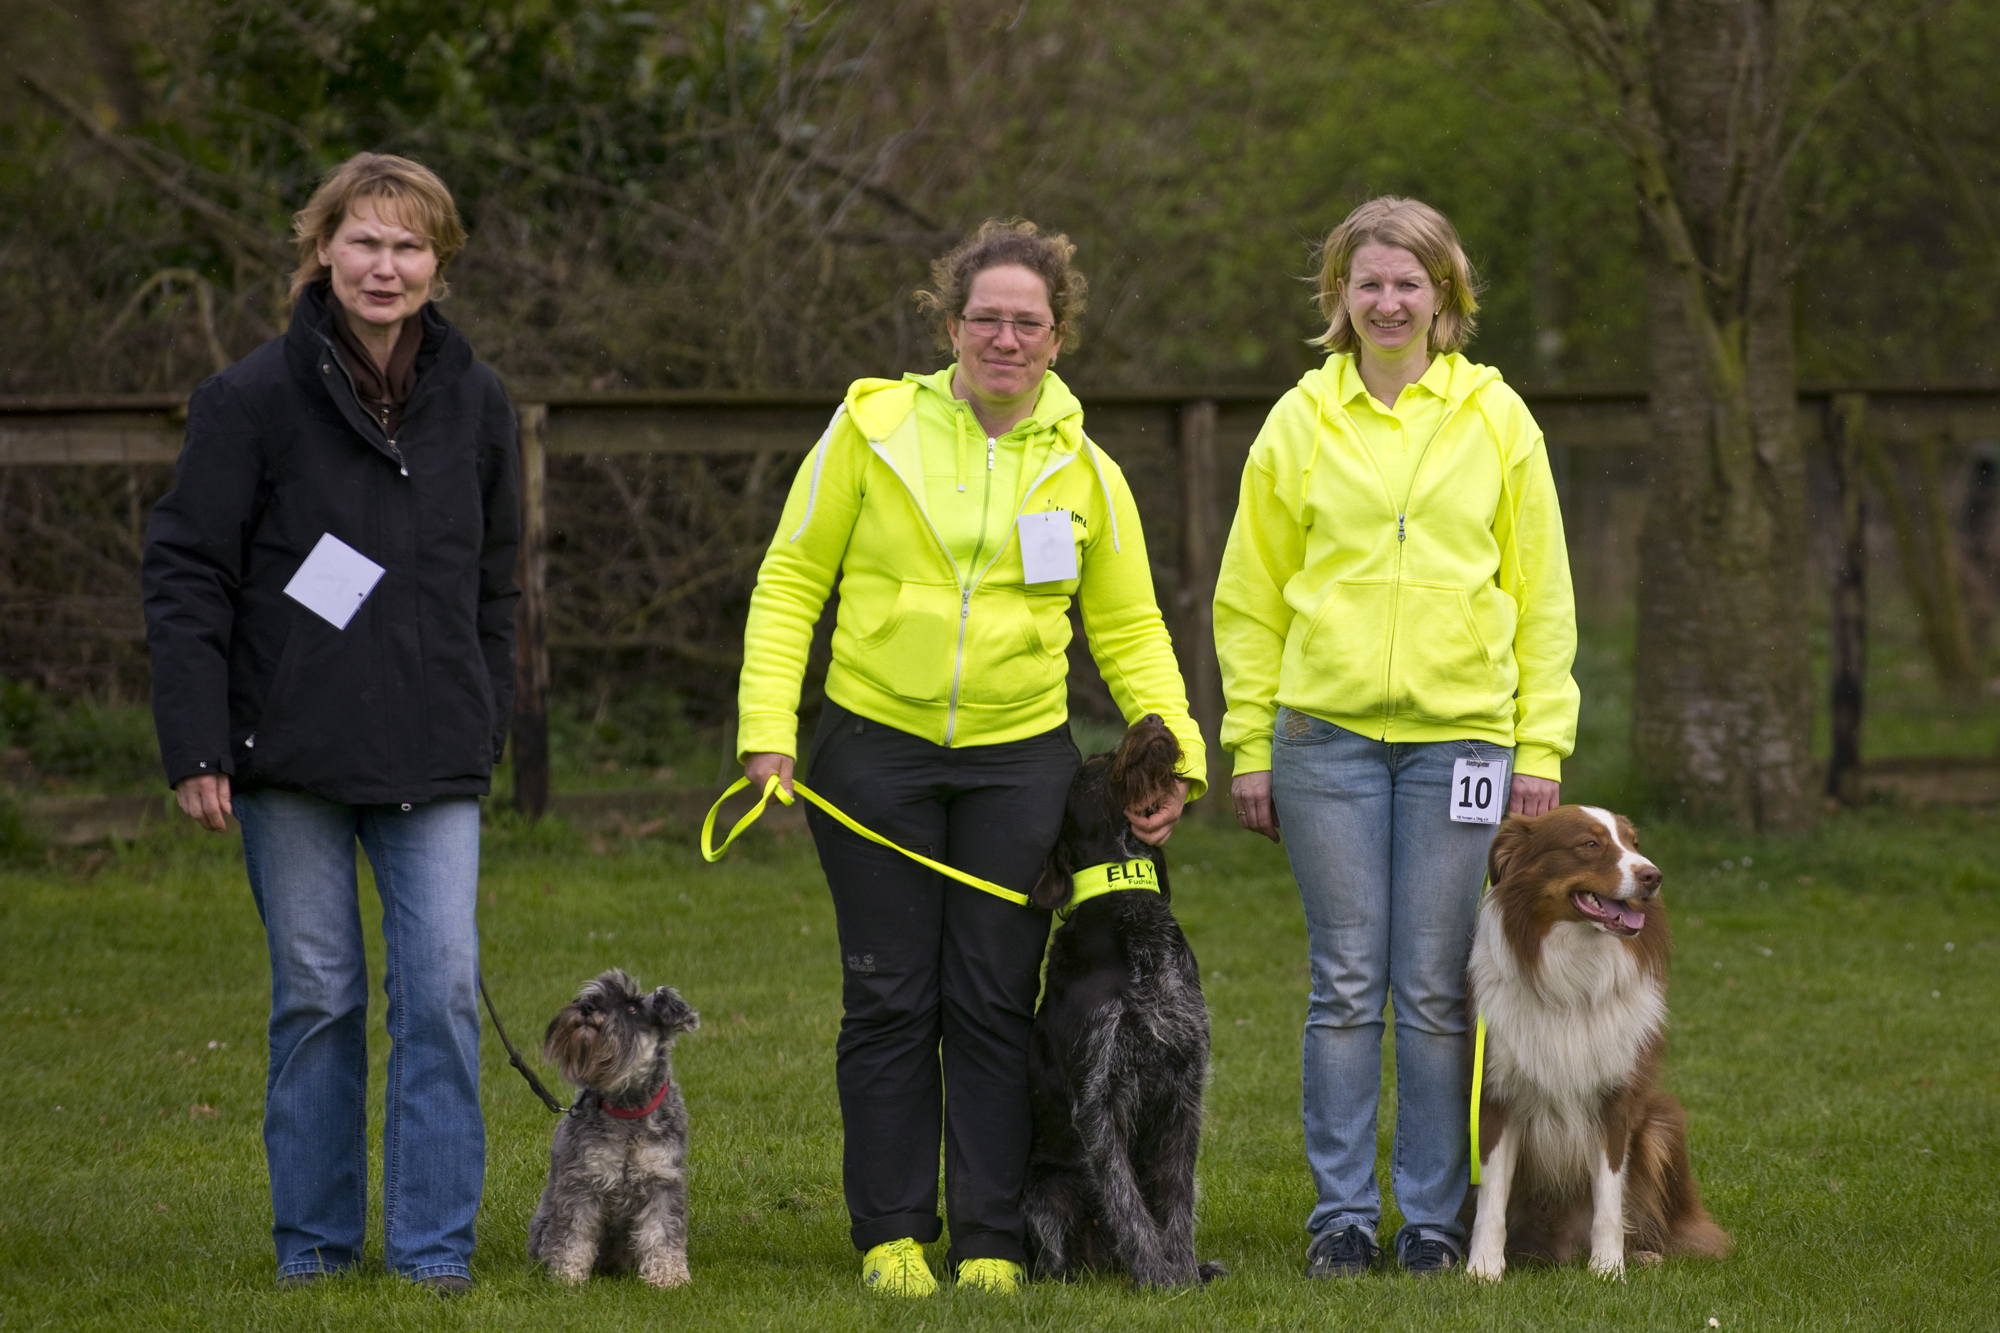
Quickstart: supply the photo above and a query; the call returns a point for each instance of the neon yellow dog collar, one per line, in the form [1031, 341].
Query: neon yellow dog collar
[1112, 876]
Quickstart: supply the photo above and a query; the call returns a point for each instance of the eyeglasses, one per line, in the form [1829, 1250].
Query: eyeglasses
[1027, 331]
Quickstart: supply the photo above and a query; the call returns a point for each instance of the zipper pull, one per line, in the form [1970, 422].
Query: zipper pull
[1399, 527]
[990, 442]
[965, 604]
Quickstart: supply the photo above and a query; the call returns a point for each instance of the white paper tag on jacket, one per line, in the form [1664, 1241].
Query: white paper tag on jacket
[1048, 550]
[334, 581]
[1478, 790]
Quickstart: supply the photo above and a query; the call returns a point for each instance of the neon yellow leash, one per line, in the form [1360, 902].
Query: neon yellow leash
[1478, 1077]
[1478, 1057]
[772, 787]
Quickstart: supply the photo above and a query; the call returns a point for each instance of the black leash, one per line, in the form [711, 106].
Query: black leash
[555, 1106]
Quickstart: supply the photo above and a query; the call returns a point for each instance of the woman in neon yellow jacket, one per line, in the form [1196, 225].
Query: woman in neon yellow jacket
[958, 514]
[1395, 627]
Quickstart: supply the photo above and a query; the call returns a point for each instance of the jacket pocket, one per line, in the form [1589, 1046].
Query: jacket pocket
[1339, 658]
[1444, 667]
[1006, 659]
[911, 654]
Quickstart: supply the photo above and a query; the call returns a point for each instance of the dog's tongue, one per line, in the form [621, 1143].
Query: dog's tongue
[1611, 911]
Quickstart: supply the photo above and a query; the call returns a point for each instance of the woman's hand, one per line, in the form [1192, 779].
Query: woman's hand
[1250, 793]
[205, 799]
[1155, 825]
[1533, 796]
[759, 768]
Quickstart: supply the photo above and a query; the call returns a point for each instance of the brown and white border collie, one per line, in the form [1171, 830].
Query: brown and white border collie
[1578, 1144]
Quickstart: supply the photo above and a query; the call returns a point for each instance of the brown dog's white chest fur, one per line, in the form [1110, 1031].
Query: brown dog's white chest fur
[1578, 1143]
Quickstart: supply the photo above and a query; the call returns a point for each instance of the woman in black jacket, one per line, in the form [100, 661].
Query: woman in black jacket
[329, 603]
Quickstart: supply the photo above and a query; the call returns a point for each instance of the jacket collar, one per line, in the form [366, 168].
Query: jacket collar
[1337, 384]
[309, 350]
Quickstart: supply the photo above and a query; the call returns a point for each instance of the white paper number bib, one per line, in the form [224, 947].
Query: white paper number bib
[334, 581]
[1048, 551]
[1478, 790]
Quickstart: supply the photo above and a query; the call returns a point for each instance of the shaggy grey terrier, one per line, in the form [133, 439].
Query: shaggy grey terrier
[1120, 1044]
[617, 1193]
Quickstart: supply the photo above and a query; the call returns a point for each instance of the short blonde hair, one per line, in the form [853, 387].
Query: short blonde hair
[1015, 241]
[426, 206]
[1412, 225]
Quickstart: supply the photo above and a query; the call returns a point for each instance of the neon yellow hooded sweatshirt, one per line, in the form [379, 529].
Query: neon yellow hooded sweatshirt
[1438, 612]
[938, 633]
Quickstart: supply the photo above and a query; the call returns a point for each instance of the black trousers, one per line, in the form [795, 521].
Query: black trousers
[929, 962]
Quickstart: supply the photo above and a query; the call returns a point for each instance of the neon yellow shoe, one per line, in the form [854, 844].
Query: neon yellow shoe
[897, 1268]
[1001, 1277]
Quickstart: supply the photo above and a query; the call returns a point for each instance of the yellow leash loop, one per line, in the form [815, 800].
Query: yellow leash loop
[773, 787]
[1479, 1049]
[1478, 1077]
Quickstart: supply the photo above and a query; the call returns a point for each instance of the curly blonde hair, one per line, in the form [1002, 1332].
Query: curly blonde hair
[423, 202]
[1412, 225]
[1015, 241]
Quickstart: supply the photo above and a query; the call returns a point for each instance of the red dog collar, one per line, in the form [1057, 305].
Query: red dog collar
[643, 1111]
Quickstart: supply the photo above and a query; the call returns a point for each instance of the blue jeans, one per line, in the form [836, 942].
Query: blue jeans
[299, 850]
[1391, 891]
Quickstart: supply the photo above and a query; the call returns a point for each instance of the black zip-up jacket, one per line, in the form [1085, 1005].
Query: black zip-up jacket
[411, 701]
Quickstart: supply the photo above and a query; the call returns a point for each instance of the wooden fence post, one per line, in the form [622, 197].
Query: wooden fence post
[531, 626]
[1201, 558]
[1847, 631]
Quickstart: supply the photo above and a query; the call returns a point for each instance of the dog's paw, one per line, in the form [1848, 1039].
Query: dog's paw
[1646, 1258]
[664, 1271]
[1610, 1267]
[572, 1272]
[1486, 1267]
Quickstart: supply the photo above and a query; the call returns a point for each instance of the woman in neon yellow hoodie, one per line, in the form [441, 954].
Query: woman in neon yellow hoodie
[959, 514]
[1395, 627]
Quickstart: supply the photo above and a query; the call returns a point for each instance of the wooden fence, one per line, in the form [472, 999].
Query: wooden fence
[1182, 449]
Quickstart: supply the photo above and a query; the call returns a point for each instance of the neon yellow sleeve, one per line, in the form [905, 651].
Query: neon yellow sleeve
[793, 583]
[1128, 636]
[1534, 570]
[1266, 548]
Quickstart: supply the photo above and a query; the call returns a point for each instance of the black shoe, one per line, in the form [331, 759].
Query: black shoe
[1425, 1257]
[1347, 1252]
[446, 1285]
[292, 1281]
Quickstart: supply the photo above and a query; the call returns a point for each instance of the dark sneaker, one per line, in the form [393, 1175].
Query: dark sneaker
[1348, 1252]
[446, 1285]
[1425, 1257]
[293, 1281]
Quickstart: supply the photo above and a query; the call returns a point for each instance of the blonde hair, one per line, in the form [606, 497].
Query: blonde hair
[425, 204]
[1015, 241]
[1412, 225]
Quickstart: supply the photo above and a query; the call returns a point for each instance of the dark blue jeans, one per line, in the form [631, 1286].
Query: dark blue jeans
[299, 850]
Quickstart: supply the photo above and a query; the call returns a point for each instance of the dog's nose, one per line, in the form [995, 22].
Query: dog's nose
[1648, 876]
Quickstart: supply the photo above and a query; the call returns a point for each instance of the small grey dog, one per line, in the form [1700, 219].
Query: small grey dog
[617, 1193]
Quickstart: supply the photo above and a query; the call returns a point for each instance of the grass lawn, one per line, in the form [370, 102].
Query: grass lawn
[1836, 1005]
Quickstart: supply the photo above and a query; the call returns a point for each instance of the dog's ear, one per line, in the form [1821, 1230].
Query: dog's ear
[666, 1007]
[1054, 887]
[1146, 762]
[1515, 830]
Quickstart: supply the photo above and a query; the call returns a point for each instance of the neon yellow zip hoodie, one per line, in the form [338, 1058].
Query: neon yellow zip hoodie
[1442, 614]
[959, 651]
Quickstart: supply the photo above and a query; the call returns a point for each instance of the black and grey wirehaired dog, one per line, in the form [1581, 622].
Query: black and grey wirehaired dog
[1120, 1046]
[617, 1193]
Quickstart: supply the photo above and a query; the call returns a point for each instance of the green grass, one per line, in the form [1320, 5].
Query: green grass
[1836, 1059]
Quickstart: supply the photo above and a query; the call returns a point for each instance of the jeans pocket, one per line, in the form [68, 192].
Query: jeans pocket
[1295, 729]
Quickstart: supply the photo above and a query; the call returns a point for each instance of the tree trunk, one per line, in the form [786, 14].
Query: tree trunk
[1721, 717]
